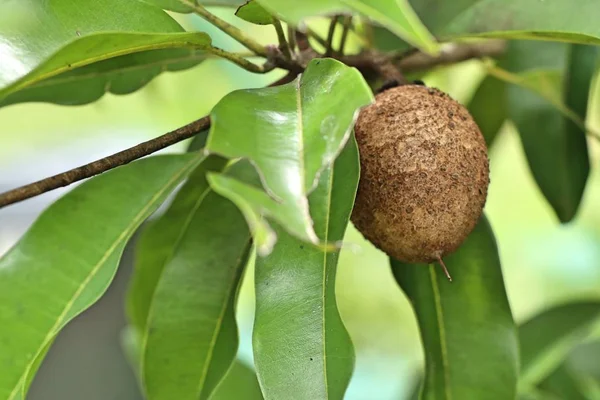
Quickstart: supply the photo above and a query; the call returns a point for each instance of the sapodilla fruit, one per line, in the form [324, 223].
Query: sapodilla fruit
[424, 174]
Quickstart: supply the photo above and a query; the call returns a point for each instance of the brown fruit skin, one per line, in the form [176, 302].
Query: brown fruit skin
[424, 173]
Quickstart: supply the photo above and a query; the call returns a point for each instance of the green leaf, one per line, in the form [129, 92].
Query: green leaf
[301, 347]
[549, 337]
[291, 133]
[119, 75]
[182, 6]
[399, 17]
[160, 239]
[191, 338]
[563, 384]
[254, 13]
[294, 12]
[489, 107]
[396, 15]
[556, 148]
[467, 330]
[65, 262]
[513, 19]
[43, 39]
[239, 383]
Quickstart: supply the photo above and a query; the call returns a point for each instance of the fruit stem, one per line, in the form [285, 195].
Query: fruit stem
[444, 268]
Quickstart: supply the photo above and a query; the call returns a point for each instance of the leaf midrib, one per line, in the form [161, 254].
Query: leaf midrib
[140, 216]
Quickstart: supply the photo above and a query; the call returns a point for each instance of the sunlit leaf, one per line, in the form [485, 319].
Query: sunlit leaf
[290, 133]
[42, 39]
[467, 330]
[119, 75]
[548, 338]
[301, 347]
[65, 262]
[556, 20]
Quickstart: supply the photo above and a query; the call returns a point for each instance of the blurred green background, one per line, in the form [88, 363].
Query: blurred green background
[544, 263]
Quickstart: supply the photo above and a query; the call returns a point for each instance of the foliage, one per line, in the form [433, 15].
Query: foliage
[277, 176]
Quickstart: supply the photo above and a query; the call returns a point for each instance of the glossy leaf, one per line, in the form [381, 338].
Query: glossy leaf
[290, 133]
[42, 39]
[183, 6]
[556, 148]
[548, 338]
[42, 289]
[489, 107]
[301, 347]
[160, 239]
[239, 383]
[254, 13]
[513, 19]
[396, 15]
[467, 330]
[191, 335]
[119, 75]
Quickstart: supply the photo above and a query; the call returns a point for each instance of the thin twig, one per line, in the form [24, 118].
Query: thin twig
[452, 54]
[241, 61]
[283, 43]
[316, 37]
[226, 27]
[345, 29]
[104, 164]
[330, 33]
[417, 61]
[292, 39]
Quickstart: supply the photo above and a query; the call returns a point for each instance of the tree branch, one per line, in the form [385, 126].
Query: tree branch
[371, 62]
[104, 164]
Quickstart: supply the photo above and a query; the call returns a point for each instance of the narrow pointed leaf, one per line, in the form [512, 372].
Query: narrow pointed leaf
[120, 75]
[42, 289]
[291, 133]
[160, 239]
[301, 347]
[556, 147]
[489, 107]
[512, 19]
[190, 338]
[547, 339]
[42, 39]
[467, 330]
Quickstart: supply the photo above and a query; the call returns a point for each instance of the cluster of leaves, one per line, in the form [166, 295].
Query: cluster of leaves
[278, 173]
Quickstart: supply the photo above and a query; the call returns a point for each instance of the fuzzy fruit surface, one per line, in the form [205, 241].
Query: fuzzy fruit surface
[424, 173]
